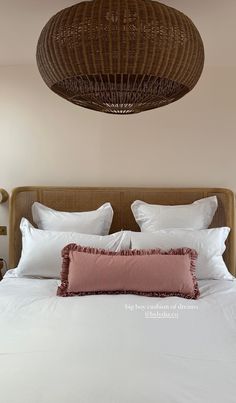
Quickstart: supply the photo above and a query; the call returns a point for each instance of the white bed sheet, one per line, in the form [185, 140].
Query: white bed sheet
[105, 349]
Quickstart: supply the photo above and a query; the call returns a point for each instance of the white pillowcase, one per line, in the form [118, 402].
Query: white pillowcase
[41, 250]
[96, 222]
[209, 243]
[153, 217]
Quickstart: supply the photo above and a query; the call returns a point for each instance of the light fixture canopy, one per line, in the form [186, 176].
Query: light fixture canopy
[120, 56]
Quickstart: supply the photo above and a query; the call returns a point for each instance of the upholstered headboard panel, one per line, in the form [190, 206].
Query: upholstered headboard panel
[84, 199]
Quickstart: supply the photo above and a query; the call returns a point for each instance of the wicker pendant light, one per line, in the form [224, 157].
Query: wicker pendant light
[120, 56]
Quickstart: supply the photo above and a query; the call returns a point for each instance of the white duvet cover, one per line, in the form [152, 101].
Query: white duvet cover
[116, 349]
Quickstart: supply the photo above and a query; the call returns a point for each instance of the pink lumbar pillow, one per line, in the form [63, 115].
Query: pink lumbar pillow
[154, 273]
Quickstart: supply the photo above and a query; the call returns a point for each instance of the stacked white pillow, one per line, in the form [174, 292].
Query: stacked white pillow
[153, 217]
[41, 249]
[96, 222]
[209, 244]
[168, 227]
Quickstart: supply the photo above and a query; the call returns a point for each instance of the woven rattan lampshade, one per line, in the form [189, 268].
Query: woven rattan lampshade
[120, 56]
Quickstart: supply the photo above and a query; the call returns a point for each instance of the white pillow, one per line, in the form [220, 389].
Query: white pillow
[41, 250]
[209, 243]
[96, 222]
[153, 217]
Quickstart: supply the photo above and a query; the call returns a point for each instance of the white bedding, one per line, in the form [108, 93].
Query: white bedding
[103, 349]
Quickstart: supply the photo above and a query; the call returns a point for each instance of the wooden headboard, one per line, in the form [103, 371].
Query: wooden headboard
[85, 199]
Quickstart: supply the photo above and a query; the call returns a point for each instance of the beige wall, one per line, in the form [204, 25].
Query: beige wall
[48, 141]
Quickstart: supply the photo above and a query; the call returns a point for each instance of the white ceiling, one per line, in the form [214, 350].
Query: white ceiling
[21, 23]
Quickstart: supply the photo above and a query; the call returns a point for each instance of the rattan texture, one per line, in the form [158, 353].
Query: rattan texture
[120, 56]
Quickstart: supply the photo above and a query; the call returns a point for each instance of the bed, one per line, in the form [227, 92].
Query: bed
[116, 348]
